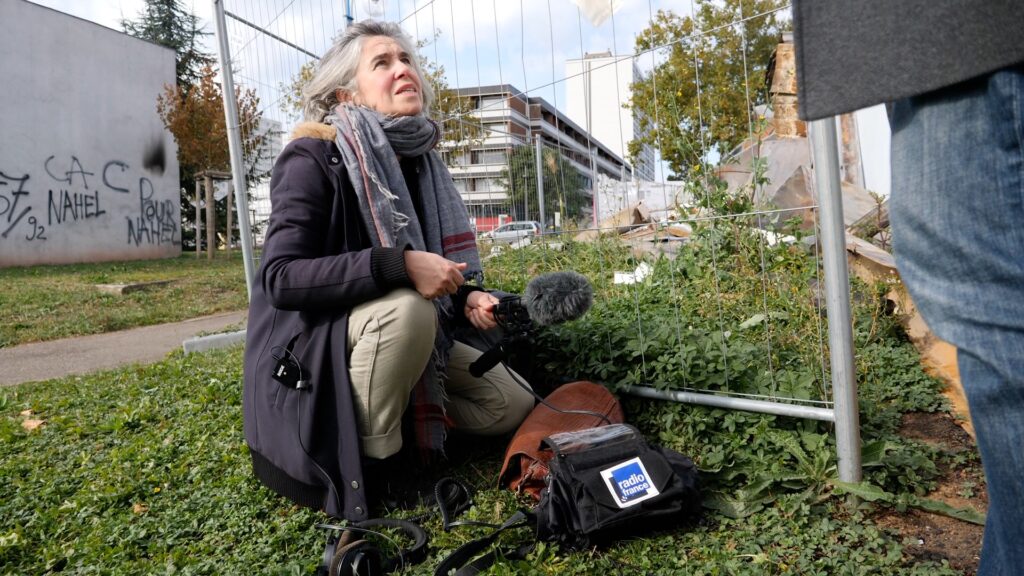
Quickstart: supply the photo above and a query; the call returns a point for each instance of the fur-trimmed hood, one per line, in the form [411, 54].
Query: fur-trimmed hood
[317, 130]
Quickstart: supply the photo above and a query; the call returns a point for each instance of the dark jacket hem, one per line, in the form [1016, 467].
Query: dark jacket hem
[277, 480]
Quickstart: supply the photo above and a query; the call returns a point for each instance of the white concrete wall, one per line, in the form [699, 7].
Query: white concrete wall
[81, 142]
[875, 140]
[602, 83]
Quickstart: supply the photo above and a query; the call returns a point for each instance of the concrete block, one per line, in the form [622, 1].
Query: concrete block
[121, 289]
[212, 342]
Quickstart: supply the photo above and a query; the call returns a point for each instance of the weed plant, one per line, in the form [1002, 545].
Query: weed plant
[145, 470]
[733, 313]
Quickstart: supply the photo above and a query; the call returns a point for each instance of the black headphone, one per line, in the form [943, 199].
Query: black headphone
[347, 554]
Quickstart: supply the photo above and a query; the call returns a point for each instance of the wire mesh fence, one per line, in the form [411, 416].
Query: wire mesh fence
[666, 168]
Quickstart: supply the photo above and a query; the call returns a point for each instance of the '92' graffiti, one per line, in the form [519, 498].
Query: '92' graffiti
[12, 212]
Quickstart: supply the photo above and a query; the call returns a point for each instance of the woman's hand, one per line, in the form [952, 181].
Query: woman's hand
[480, 309]
[433, 276]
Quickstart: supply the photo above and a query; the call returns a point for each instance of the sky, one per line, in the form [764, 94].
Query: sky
[471, 34]
[479, 42]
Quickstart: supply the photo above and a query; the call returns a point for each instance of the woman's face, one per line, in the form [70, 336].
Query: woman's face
[386, 80]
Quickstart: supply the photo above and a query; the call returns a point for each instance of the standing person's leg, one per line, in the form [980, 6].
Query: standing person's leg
[390, 341]
[958, 235]
[490, 405]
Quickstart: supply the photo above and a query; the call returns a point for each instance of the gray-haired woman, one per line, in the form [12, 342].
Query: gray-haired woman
[363, 282]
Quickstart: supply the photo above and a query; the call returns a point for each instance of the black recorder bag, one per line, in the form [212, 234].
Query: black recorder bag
[604, 484]
[608, 483]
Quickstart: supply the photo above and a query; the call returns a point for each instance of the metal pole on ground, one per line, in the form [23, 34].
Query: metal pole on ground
[825, 154]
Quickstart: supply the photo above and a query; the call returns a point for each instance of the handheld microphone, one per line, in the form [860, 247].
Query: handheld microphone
[549, 299]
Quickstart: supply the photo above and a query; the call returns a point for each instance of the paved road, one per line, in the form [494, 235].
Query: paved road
[86, 354]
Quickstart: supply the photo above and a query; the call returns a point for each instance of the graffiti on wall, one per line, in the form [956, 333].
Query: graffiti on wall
[64, 192]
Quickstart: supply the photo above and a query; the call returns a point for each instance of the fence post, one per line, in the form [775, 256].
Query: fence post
[825, 152]
[227, 235]
[211, 217]
[235, 147]
[593, 187]
[540, 182]
[199, 217]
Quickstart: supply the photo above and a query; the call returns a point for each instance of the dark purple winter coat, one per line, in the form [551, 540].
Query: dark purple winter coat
[317, 263]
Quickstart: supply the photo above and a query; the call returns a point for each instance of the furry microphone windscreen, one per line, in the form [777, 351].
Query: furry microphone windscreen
[557, 297]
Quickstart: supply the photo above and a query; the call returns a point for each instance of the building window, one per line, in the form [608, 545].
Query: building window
[492, 103]
[495, 128]
[489, 157]
[460, 159]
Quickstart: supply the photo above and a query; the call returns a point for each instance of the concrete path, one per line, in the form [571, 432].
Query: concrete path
[86, 354]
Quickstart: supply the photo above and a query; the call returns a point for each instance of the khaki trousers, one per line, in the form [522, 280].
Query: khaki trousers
[390, 341]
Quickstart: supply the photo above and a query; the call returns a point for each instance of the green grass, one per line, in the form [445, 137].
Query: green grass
[145, 471]
[50, 302]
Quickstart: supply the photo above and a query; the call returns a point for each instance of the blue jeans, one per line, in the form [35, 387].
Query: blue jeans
[958, 232]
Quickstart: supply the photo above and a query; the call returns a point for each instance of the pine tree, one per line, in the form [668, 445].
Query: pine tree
[167, 23]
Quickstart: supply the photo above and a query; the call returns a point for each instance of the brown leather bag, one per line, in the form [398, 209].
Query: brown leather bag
[526, 465]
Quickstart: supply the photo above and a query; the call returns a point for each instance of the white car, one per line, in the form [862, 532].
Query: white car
[514, 231]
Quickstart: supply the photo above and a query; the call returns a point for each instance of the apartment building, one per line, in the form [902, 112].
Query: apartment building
[509, 119]
[597, 86]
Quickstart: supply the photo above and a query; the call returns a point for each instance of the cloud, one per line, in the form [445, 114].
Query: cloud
[506, 36]
[597, 11]
[520, 42]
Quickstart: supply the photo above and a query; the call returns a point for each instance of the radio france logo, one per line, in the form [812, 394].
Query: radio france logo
[629, 483]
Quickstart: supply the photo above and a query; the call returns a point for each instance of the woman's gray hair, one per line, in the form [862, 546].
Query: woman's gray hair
[337, 68]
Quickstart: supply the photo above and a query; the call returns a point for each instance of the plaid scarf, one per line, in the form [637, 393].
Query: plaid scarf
[370, 143]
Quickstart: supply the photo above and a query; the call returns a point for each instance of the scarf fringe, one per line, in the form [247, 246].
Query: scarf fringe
[398, 219]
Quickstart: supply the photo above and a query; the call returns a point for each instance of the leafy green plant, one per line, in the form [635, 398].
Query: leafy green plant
[967, 489]
[735, 314]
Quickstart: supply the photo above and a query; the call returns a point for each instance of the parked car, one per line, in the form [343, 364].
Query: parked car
[514, 231]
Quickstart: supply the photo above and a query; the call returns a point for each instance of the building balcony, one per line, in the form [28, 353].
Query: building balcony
[478, 169]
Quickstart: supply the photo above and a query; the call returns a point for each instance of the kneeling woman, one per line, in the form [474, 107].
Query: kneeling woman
[362, 286]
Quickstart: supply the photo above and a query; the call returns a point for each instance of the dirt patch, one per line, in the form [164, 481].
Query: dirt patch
[933, 537]
[937, 429]
[928, 536]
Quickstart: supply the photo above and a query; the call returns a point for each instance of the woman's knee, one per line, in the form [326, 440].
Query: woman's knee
[516, 406]
[401, 319]
[520, 404]
[413, 317]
